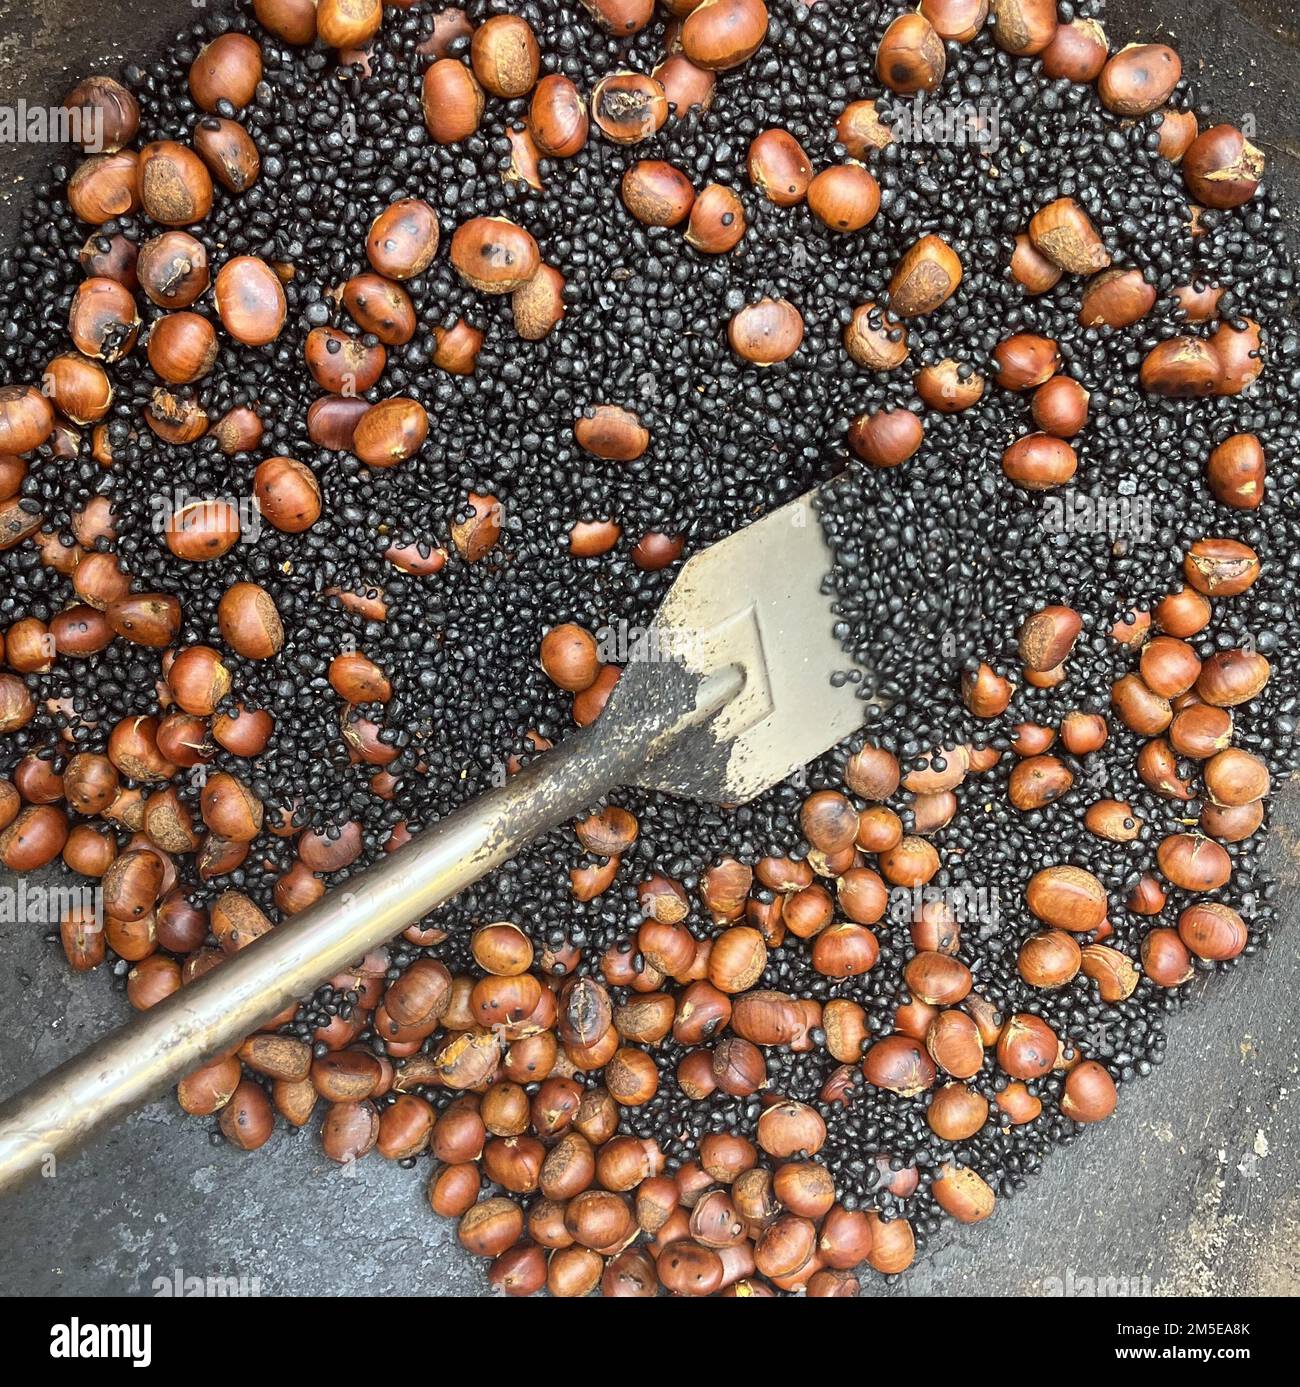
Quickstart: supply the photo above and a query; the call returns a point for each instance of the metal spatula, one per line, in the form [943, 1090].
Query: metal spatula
[732, 693]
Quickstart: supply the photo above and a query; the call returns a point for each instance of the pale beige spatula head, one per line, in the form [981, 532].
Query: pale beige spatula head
[755, 601]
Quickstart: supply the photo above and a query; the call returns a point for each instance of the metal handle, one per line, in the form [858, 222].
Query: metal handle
[141, 1059]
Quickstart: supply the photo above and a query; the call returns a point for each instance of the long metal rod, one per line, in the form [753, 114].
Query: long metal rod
[142, 1059]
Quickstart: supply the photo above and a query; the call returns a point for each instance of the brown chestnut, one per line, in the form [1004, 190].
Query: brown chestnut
[250, 301]
[722, 34]
[1050, 958]
[737, 959]
[1222, 168]
[519, 1271]
[910, 57]
[198, 680]
[1039, 461]
[1212, 931]
[1177, 131]
[558, 117]
[1023, 27]
[1048, 636]
[956, 1113]
[202, 530]
[1025, 361]
[925, 278]
[612, 433]
[538, 305]
[1027, 1047]
[656, 193]
[103, 321]
[717, 220]
[1236, 471]
[1033, 271]
[151, 981]
[779, 168]
[110, 113]
[1183, 613]
[845, 198]
[1193, 862]
[844, 950]
[26, 421]
[491, 1226]
[900, 1064]
[390, 432]
[105, 187]
[287, 493]
[477, 532]
[348, 23]
[1139, 79]
[628, 107]
[1200, 731]
[172, 269]
[1182, 367]
[1118, 298]
[208, 1089]
[893, 1245]
[247, 1119]
[954, 1043]
[1067, 897]
[861, 131]
[1232, 677]
[227, 69]
[230, 809]
[1060, 407]
[1168, 666]
[182, 347]
[403, 239]
[1235, 777]
[1113, 820]
[936, 978]
[686, 85]
[147, 618]
[875, 339]
[175, 186]
[456, 348]
[957, 20]
[766, 332]
[1140, 708]
[1077, 52]
[250, 622]
[631, 1077]
[1165, 958]
[494, 255]
[452, 101]
[1089, 1094]
[1221, 567]
[949, 386]
[505, 56]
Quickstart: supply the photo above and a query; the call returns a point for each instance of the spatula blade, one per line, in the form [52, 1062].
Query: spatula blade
[754, 599]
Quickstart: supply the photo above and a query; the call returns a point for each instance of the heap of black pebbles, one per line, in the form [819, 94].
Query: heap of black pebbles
[937, 562]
